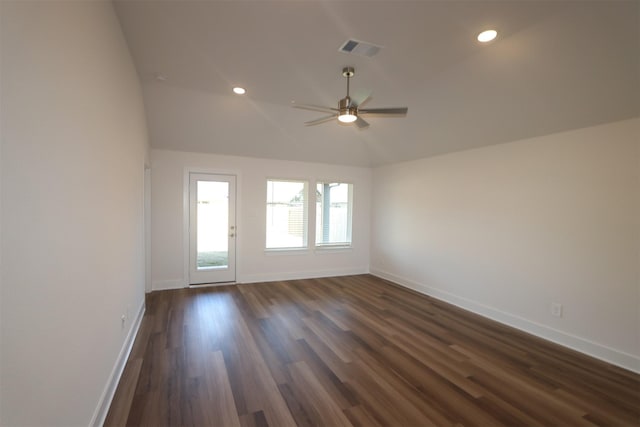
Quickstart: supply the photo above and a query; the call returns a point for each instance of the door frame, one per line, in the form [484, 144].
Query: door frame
[146, 209]
[186, 218]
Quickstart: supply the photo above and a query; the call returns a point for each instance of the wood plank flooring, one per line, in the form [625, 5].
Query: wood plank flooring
[353, 351]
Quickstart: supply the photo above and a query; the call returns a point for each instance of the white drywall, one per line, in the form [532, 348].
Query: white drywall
[73, 151]
[254, 264]
[506, 230]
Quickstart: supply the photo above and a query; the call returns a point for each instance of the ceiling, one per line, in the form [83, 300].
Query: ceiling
[555, 66]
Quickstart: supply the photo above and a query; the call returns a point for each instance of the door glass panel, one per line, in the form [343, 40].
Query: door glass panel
[212, 229]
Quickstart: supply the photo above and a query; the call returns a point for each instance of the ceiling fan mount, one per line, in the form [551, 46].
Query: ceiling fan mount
[349, 110]
[348, 72]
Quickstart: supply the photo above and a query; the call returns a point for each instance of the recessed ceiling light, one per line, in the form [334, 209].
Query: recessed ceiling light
[487, 36]
[239, 90]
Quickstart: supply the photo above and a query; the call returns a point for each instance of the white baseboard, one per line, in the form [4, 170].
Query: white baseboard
[163, 285]
[104, 403]
[599, 351]
[298, 275]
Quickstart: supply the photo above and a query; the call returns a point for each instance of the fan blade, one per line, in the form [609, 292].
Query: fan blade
[361, 123]
[361, 97]
[385, 111]
[320, 120]
[314, 108]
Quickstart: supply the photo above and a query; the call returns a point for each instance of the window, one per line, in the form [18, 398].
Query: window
[333, 214]
[286, 214]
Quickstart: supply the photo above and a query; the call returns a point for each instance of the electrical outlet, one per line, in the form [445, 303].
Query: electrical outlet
[556, 309]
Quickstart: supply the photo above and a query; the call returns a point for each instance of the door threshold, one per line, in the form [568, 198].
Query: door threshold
[211, 285]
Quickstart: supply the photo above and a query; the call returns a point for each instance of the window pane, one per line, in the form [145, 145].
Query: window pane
[333, 213]
[212, 242]
[286, 214]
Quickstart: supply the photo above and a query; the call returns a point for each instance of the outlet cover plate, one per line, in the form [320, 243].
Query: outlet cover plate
[556, 309]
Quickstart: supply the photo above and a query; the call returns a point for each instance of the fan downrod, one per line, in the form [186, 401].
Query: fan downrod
[347, 113]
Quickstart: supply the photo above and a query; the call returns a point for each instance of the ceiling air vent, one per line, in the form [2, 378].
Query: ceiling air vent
[360, 48]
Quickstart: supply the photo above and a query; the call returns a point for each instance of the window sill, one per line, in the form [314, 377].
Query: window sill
[286, 251]
[333, 248]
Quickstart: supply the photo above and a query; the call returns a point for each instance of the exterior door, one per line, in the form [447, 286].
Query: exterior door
[212, 228]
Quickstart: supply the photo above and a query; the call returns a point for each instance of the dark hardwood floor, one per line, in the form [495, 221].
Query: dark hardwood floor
[355, 351]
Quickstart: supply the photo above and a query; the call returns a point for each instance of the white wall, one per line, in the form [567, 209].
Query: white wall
[508, 229]
[253, 263]
[73, 149]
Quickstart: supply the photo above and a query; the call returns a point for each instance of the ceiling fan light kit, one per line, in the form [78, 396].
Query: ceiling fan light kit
[347, 113]
[349, 110]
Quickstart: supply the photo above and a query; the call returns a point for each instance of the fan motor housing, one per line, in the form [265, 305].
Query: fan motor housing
[345, 107]
[345, 103]
[347, 113]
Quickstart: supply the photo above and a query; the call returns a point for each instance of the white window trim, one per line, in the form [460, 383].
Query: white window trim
[285, 251]
[333, 248]
[310, 239]
[337, 247]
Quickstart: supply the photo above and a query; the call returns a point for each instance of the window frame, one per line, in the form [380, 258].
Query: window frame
[305, 219]
[350, 207]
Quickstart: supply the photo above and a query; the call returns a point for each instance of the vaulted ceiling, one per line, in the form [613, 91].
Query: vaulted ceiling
[555, 66]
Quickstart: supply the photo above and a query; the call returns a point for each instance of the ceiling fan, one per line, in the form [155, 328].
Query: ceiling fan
[349, 110]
